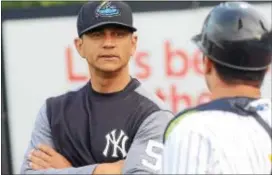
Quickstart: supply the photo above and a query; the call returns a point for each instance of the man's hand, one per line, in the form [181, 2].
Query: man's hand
[109, 168]
[46, 157]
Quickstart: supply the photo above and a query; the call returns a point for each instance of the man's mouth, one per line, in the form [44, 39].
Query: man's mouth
[108, 56]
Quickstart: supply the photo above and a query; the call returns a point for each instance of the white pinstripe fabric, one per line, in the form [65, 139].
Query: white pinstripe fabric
[217, 142]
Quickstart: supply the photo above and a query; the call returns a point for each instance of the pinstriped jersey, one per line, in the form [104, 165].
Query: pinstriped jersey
[219, 138]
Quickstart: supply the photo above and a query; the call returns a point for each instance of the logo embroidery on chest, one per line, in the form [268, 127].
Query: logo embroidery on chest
[117, 142]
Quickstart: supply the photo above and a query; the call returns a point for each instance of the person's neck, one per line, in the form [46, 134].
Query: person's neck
[236, 90]
[109, 82]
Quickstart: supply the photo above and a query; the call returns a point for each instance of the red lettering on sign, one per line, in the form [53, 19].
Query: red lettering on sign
[198, 62]
[181, 100]
[141, 58]
[170, 55]
[177, 98]
[161, 95]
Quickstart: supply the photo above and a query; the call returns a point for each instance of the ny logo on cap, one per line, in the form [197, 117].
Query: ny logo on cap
[106, 9]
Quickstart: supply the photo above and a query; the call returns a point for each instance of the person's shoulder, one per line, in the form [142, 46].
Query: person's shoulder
[207, 114]
[227, 104]
[151, 108]
[69, 94]
[195, 117]
[261, 104]
[172, 124]
[149, 97]
[263, 108]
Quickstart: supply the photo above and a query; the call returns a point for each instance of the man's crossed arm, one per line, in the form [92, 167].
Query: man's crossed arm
[41, 158]
[144, 155]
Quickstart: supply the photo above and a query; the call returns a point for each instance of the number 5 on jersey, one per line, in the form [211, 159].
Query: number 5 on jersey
[154, 151]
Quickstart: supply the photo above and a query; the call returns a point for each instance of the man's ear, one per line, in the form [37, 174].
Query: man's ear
[208, 64]
[268, 69]
[134, 41]
[79, 46]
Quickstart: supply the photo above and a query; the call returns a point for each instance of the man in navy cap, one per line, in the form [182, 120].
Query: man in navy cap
[111, 125]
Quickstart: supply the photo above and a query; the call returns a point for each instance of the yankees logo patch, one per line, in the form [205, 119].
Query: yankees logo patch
[115, 142]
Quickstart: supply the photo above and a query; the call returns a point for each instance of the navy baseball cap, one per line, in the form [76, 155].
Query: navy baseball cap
[99, 13]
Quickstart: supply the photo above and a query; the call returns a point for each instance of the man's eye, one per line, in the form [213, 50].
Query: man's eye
[120, 34]
[96, 34]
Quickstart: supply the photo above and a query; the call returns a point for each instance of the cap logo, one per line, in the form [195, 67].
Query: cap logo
[106, 9]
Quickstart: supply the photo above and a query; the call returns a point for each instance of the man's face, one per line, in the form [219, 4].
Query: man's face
[107, 49]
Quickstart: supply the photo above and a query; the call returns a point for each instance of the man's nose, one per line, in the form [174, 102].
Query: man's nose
[109, 41]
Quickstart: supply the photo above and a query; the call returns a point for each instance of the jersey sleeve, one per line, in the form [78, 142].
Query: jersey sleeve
[186, 150]
[145, 153]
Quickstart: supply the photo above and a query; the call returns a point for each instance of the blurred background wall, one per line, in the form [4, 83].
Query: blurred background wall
[39, 60]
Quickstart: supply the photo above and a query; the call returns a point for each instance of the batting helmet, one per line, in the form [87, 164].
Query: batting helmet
[235, 35]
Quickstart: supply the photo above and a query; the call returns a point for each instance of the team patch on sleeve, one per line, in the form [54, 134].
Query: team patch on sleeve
[175, 122]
